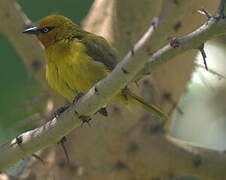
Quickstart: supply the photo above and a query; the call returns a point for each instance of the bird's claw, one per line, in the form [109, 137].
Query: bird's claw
[79, 95]
[85, 119]
[60, 110]
[103, 111]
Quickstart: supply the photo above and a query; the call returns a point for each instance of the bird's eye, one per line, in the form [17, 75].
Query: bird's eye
[46, 29]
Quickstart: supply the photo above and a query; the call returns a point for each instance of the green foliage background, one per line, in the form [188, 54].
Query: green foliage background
[15, 89]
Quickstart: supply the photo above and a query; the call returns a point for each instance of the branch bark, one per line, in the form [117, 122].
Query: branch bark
[212, 28]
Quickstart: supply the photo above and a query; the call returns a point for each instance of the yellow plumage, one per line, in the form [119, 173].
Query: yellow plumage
[76, 60]
[72, 71]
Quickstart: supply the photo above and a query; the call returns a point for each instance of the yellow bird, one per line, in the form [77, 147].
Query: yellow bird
[76, 60]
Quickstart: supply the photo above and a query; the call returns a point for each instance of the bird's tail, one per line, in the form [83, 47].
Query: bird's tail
[134, 99]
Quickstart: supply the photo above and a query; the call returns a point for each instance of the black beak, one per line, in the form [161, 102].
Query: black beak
[32, 30]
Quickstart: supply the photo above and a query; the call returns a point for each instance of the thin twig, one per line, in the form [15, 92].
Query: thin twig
[203, 53]
[38, 158]
[210, 71]
[62, 141]
[213, 28]
[205, 12]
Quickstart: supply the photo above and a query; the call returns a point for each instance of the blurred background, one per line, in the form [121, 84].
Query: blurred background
[204, 102]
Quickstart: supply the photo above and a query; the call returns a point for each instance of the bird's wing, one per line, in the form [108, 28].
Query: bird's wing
[100, 50]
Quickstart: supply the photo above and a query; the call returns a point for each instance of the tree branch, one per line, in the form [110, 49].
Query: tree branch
[214, 27]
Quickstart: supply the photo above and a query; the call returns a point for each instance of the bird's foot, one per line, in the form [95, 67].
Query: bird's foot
[85, 119]
[79, 95]
[103, 111]
[60, 110]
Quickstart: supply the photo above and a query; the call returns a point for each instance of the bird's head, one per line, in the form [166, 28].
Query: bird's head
[53, 28]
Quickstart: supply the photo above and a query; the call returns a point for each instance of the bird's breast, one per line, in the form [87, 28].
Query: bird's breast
[70, 71]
